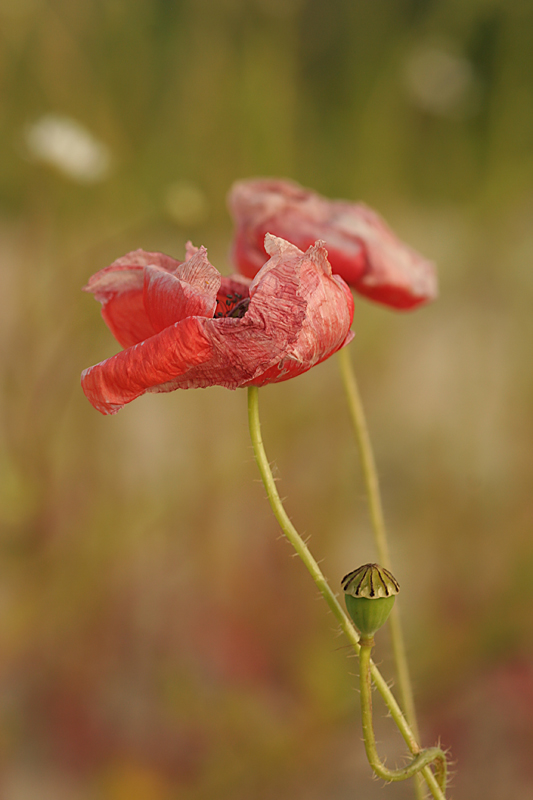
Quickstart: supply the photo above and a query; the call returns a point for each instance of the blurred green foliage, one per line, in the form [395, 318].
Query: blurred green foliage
[157, 640]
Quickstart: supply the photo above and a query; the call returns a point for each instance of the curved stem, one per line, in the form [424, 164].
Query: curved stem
[371, 480]
[316, 573]
[423, 759]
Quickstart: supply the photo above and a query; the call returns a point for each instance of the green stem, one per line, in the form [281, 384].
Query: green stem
[371, 480]
[316, 573]
[366, 455]
[420, 761]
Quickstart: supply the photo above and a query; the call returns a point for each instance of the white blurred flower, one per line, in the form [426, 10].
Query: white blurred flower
[440, 81]
[67, 145]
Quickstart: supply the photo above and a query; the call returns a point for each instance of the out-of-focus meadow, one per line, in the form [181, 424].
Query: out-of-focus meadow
[157, 639]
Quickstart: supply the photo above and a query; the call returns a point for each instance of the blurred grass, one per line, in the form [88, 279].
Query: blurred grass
[157, 640]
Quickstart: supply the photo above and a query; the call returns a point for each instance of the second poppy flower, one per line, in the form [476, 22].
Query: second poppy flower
[361, 247]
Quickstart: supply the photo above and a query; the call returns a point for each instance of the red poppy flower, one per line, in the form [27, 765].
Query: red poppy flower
[361, 248]
[184, 325]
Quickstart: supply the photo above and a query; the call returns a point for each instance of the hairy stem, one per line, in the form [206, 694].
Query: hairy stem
[371, 480]
[419, 762]
[316, 573]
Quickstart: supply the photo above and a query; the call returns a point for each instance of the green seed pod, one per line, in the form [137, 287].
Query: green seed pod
[369, 593]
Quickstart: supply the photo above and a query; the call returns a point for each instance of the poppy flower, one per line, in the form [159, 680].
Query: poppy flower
[183, 325]
[361, 247]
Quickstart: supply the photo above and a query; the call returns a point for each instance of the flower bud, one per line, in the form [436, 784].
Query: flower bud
[369, 593]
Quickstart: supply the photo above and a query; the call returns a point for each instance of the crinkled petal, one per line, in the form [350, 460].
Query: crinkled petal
[329, 312]
[198, 272]
[245, 348]
[361, 248]
[130, 373]
[230, 284]
[396, 274]
[298, 315]
[126, 318]
[191, 291]
[126, 273]
[119, 288]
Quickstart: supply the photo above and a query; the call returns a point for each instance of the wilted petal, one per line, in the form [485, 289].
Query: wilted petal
[198, 272]
[119, 288]
[126, 318]
[395, 275]
[143, 258]
[190, 291]
[329, 308]
[292, 316]
[126, 273]
[130, 373]
[361, 248]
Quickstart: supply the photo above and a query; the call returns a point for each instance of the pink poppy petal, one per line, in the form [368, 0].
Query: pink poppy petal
[230, 284]
[245, 348]
[126, 273]
[119, 288]
[297, 315]
[361, 247]
[126, 318]
[112, 280]
[191, 291]
[151, 363]
[198, 272]
[396, 274]
[329, 312]
[143, 258]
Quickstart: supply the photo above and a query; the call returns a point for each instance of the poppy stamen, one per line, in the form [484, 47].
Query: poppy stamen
[232, 305]
[240, 309]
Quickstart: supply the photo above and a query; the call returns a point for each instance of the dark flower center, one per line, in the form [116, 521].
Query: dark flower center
[232, 305]
[240, 309]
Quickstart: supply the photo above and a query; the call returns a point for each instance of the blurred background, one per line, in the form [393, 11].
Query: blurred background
[157, 640]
